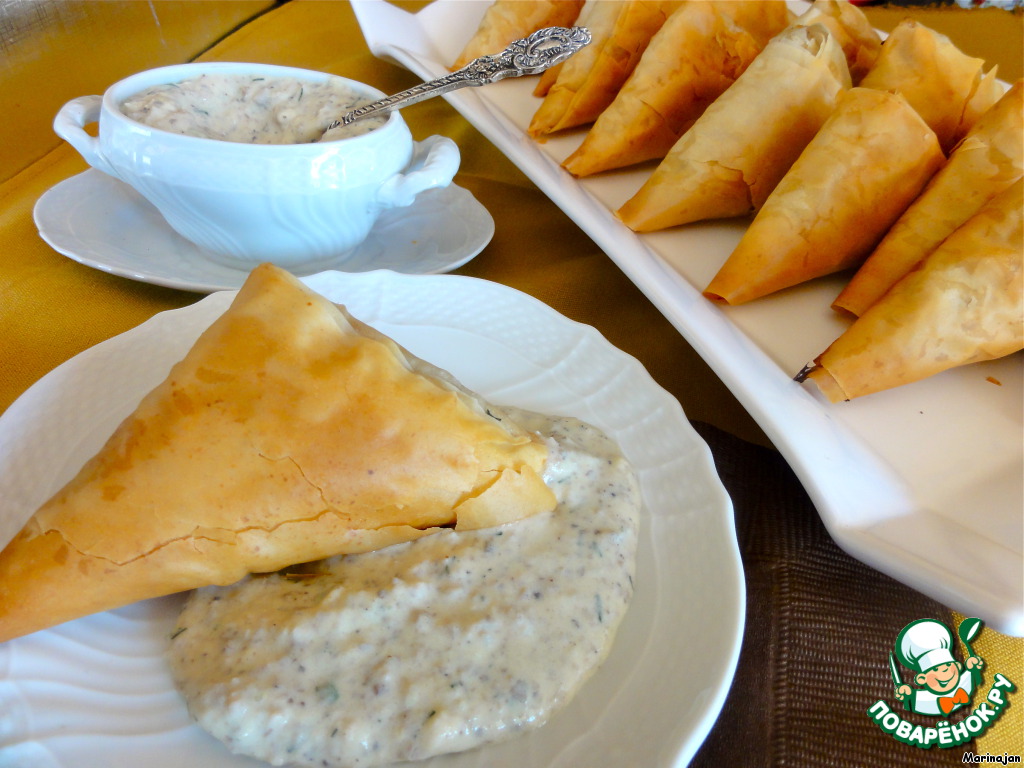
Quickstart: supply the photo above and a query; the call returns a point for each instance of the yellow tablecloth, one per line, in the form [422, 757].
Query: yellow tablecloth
[52, 308]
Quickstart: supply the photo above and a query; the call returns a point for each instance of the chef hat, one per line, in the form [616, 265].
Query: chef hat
[924, 644]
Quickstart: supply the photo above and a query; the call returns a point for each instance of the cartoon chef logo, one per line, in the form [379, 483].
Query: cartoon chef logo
[943, 684]
[939, 686]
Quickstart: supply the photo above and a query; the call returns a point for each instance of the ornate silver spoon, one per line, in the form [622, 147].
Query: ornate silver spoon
[529, 56]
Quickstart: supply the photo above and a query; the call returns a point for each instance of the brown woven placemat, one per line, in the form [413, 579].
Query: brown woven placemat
[820, 628]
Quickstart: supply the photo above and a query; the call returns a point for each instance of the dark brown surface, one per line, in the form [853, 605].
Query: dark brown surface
[820, 628]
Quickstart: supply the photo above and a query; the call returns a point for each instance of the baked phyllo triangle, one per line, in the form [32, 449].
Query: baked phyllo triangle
[699, 52]
[727, 164]
[986, 161]
[948, 88]
[588, 82]
[290, 432]
[854, 179]
[964, 304]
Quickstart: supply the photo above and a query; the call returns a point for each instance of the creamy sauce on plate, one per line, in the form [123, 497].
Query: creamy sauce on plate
[439, 645]
[250, 109]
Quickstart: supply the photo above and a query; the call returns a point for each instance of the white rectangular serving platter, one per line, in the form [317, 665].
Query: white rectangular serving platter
[924, 483]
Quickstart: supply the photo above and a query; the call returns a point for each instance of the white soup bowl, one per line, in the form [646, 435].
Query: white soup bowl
[300, 206]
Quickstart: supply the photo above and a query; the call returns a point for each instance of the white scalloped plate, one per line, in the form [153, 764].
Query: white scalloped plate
[95, 692]
[922, 482]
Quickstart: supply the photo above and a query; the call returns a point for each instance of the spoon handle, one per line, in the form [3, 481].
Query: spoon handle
[528, 56]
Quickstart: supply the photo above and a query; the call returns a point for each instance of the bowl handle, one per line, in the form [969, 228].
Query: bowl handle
[69, 124]
[435, 160]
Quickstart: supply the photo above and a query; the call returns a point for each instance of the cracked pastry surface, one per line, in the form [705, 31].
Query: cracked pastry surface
[290, 432]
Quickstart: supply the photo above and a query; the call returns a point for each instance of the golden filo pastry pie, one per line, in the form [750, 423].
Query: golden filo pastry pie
[948, 88]
[588, 82]
[964, 304]
[870, 159]
[506, 21]
[985, 162]
[727, 164]
[860, 42]
[290, 432]
[699, 52]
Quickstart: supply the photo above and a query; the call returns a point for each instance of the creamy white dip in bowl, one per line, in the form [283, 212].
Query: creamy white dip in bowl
[300, 205]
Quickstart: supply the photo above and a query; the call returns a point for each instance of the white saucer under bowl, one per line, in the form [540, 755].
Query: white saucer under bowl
[103, 223]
